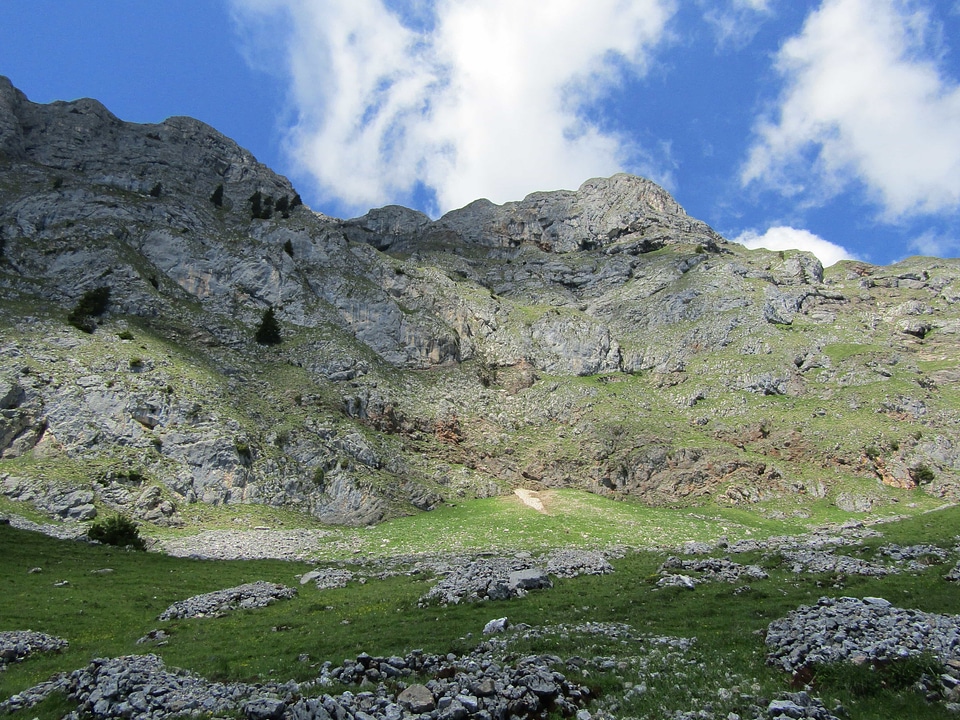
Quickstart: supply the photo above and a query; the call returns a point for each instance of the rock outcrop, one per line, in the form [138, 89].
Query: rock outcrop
[599, 338]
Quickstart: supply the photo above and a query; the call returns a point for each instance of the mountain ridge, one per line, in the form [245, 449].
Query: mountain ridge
[598, 338]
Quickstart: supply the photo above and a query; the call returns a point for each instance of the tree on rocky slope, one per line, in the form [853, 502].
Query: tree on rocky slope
[92, 304]
[269, 331]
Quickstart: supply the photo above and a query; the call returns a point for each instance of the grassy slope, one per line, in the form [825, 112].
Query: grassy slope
[104, 613]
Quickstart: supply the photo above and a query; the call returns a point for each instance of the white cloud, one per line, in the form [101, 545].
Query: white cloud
[788, 238]
[736, 22]
[865, 101]
[486, 102]
[933, 244]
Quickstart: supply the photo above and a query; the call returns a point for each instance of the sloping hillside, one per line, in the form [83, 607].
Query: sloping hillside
[598, 339]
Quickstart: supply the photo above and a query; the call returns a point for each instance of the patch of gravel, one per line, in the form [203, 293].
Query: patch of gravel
[17, 645]
[66, 531]
[251, 595]
[245, 544]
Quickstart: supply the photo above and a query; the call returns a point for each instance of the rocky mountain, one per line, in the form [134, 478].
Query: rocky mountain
[598, 338]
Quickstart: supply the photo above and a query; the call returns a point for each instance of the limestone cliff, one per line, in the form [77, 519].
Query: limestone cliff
[598, 338]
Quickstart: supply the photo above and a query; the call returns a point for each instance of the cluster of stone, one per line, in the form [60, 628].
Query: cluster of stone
[914, 558]
[819, 561]
[473, 686]
[251, 595]
[572, 562]
[487, 578]
[141, 687]
[795, 706]
[327, 578]
[954, 574]
[867, 630]
[15, 645]
[71, 531]
[708, 569]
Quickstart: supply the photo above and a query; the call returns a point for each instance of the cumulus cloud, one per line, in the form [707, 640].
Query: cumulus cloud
[789, 238]
[865, 101]
[464, 98]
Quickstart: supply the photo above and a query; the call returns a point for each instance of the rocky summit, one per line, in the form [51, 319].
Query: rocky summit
[178, 327]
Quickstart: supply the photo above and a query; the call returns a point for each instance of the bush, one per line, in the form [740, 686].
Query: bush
[217, 197]
[269, 331]
[261, 206]
[922, 475]
[156, 190]
[92, 304]
[117, 530]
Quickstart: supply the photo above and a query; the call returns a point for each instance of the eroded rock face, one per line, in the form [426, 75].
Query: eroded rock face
[506, 306]
[624, 209]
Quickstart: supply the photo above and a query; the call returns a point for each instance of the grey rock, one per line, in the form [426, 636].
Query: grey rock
[531, 579]
[264, 709]
[675, 580]
[497, 625]
[417, 699]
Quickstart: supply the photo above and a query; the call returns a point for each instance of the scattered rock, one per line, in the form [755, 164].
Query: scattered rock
[251, 595]
[16, 645]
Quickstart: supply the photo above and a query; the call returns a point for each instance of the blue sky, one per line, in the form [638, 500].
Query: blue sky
[830, 125]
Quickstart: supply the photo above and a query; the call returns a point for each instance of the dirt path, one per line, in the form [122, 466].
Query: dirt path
[530, 498]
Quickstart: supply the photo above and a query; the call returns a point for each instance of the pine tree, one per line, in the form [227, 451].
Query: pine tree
[255, 201]
[217, 197]
[269, 331]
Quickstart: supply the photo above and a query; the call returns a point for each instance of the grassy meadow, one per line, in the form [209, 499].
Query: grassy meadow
[102, 599]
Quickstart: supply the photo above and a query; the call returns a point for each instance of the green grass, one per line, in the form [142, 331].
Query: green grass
[103, 614]
[572, 518]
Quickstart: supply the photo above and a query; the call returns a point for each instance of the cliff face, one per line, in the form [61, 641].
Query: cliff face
[598, 338]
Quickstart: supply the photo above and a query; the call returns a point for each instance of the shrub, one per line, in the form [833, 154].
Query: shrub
[217, 197]
[156, 190]
[117, 530]
[92, 304]
[269, 331]
[125, 335]
[283, 206]
[261, 206]
[922, 475]
[288, 247]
